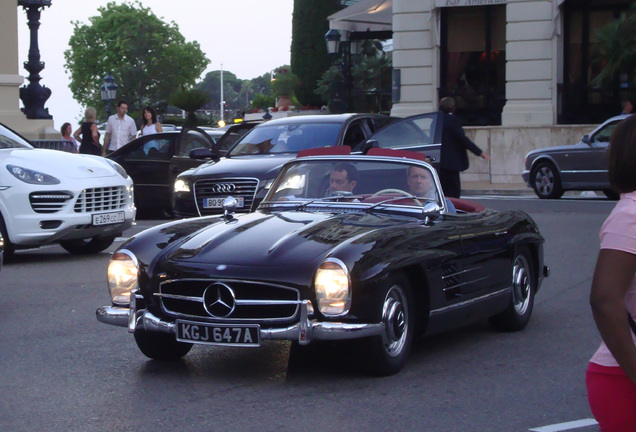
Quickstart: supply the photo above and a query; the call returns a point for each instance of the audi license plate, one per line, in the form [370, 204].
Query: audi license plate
[109, 218]
[218, 202]
[218, 334]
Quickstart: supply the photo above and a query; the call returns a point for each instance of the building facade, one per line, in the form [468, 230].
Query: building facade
[520, 70]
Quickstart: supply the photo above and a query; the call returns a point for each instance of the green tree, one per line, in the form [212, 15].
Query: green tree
[232, 86]
[148, 58]
[309, 57]
[189, 101]
[615, 50]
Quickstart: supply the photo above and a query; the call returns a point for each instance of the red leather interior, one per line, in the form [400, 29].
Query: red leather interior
[465, 205]
[377, 151]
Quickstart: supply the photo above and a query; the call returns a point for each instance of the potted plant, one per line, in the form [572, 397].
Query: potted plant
[283, 85]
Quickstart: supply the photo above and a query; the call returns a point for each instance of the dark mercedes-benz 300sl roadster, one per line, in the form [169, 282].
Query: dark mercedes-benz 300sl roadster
[342, 247]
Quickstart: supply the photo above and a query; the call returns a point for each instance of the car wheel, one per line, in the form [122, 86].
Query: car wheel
[610, 194]
[386, 354]
[87, 246]
[524, 285]
[9, 249]
[546, 182]
[161, 346]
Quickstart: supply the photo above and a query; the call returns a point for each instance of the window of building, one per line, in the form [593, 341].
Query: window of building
[579, 101]
[473, 62]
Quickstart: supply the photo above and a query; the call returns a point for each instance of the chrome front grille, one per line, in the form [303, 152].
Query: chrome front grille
[101, 199]
[253, 301]
[49, 202]
[221, 188]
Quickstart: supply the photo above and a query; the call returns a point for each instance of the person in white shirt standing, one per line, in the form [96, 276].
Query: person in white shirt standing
[120, 129]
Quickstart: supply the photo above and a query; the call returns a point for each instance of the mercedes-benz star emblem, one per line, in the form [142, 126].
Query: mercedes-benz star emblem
[219, 300]
[223, 187]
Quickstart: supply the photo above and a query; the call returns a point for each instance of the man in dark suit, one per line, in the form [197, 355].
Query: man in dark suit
[453, 157]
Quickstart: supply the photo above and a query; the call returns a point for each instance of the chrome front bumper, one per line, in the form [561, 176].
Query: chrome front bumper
[304, 331]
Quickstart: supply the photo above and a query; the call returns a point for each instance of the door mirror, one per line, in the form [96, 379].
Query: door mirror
[203, 153]
[585, 139]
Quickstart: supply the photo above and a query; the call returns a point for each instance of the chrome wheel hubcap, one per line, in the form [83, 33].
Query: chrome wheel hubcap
[395, 319]
[545, 180]
[521, 284]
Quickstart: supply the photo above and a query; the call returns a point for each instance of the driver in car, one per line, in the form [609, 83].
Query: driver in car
[343, 178]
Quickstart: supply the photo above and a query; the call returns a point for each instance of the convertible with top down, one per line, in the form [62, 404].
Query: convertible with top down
[376, 261]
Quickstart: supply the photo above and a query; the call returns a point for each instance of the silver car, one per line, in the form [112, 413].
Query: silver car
[551, 171]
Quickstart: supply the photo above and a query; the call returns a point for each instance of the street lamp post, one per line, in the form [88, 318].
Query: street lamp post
[109, 92]
[335, 42]
[34, 95]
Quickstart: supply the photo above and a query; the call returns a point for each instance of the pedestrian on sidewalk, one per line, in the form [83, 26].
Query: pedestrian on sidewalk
[611, 373]
[120, 129]
[453, 157]
[90, 134]
[66, 132]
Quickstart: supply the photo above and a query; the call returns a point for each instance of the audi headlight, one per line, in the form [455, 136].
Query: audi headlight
[181, 186]
[123, 271]
[32, 177]
[333, 288]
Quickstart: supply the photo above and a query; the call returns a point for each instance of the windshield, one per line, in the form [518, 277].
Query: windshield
[355, 180]
[9, 139]
[287, 138]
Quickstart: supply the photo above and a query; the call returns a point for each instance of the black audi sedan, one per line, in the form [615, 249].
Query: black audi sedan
[250, 166]
[154, 161]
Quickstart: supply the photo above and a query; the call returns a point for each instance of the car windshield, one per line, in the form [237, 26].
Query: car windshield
[286, 138]
[9, 139]
[363, 179]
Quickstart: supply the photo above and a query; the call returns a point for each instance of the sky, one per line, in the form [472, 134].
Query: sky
[245, 37]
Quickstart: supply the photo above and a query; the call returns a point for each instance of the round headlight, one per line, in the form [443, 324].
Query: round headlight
[332, 286]
[123, 274]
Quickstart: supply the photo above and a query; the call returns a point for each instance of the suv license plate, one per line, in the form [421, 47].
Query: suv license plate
[218, 334]
[218, 202]
[109, 218]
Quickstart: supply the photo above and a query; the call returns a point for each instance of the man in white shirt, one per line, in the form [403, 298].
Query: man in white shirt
[120, 129]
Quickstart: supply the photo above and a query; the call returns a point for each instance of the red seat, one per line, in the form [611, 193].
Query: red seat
[377, 151]
[325, 151]
[465, 205]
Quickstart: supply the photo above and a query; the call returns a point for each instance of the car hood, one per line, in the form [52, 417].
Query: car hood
[260, 166]
[58, 163]
[277, 238]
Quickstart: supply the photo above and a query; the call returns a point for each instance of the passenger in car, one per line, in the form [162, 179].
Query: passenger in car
[421, 184]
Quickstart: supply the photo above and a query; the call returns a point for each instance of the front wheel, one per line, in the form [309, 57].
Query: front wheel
[546, 182]
[87, 246]
[524, 286]
[161, 346]
[386, 354]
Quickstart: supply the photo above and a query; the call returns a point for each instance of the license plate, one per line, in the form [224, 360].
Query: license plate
[218, 202]
[109, 218]
[218, 334]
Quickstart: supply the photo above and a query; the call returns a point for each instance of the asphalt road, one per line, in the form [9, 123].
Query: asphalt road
[61, 370]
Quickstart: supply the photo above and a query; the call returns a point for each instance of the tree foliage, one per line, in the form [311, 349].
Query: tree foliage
[309, 57]
[189, 101]
[615, 49]
[148, 58]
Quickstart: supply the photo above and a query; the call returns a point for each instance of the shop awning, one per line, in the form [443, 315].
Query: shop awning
[365, 15]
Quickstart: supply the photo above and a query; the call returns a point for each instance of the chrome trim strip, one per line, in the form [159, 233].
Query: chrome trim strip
[465, 283]
[583, 171]
[238, 302]
[460, 272]
[465, 302]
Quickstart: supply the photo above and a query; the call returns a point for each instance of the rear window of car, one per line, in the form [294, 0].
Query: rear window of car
[287, 138]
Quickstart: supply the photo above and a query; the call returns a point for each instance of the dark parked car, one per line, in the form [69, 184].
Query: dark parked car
[154, 161]
[551, 171]
[248, 169]
[375, 263]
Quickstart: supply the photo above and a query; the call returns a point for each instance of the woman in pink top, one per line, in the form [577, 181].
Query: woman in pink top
[611, 374]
